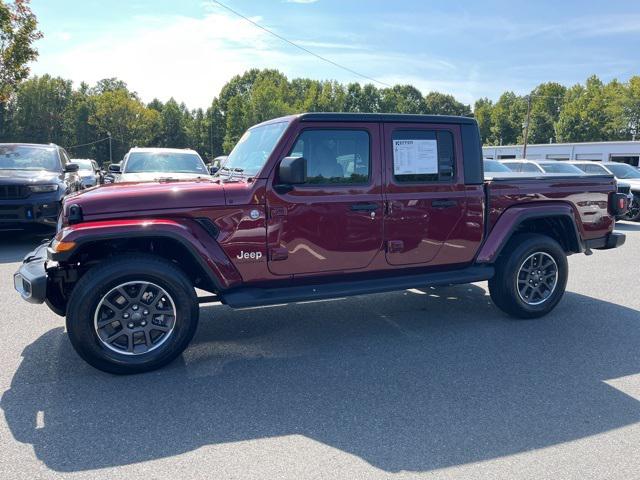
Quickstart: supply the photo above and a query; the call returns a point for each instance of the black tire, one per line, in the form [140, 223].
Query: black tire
[97, 282]
[633, 214]
[503, 287]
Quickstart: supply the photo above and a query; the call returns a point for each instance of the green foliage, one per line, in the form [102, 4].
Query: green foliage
[437, 103]
[47, 109]
[18, 32]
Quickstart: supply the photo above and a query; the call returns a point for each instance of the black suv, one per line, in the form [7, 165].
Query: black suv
[34, 179]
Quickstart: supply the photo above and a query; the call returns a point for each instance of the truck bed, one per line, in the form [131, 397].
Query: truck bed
[587, 196]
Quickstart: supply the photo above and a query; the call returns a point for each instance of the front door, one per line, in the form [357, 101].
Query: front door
[333, 222]
[426, 199]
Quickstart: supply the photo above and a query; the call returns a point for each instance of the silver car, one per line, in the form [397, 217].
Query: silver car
[89, 171]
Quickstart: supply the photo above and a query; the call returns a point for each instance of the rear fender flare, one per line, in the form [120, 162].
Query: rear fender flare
[514, 217]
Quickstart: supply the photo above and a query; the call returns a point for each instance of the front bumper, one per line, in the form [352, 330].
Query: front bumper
[31, 278]
[612, 240]
[25, 212]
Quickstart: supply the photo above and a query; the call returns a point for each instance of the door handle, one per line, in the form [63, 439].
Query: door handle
[447, 203]
[365, 207]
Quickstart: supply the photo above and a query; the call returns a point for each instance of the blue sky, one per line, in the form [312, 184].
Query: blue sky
[189, 48]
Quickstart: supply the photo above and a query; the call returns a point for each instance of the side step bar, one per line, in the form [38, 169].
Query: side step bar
[254, 297]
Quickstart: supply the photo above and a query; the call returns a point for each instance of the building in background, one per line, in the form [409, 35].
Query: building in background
[625, 152]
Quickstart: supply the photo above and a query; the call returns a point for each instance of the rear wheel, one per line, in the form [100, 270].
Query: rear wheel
[133, 314]
[531, 276]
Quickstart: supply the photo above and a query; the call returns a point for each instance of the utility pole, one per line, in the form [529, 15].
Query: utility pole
[526, 127]
[110, 156]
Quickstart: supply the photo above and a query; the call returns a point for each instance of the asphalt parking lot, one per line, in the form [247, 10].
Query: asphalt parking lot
[432, 383]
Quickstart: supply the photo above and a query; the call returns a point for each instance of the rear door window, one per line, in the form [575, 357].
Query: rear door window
[423, 156]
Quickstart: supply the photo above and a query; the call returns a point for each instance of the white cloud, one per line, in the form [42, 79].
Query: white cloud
[188, 58]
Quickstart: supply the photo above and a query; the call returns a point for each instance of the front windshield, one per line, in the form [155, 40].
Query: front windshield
[624, 171]
[83, 164]
[561, 168]
[252, 150]
[165, 162]
[25, 157]
[493, 166]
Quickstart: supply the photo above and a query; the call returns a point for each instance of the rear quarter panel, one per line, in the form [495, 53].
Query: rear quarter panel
[588, 198]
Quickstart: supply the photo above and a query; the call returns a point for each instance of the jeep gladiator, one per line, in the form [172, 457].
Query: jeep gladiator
[309, 207]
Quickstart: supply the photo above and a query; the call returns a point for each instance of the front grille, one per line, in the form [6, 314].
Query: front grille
[13, 192]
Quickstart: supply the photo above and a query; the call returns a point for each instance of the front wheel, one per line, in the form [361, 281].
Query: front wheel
[133, 314]
[531, 276]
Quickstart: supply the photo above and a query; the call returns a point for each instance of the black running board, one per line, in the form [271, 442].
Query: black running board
[254, 297]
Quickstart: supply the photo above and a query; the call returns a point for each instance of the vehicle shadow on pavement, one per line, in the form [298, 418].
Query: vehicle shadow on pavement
[415, 380]
[14, 245]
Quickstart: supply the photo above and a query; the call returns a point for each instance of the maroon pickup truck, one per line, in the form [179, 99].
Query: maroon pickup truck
[308, 207]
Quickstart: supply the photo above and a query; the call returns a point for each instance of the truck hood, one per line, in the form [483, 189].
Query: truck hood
[28, 177]
[134, 198]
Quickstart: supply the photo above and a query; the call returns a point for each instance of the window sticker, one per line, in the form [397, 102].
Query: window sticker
[411, 157]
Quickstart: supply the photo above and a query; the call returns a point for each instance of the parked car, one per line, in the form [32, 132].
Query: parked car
[34, 179]
[89, 172]
[152, 164]
[558, 167]
[494, 166]
[311, 206]
[628, 182]
[522, 166]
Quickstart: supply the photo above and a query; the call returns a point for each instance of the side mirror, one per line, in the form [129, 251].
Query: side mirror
[71, 167]
[213, 169]
[292, 171]
[114, 168]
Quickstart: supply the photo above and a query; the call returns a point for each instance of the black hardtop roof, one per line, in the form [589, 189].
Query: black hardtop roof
[383, 117]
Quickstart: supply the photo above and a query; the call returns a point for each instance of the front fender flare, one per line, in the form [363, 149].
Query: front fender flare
[204, 249]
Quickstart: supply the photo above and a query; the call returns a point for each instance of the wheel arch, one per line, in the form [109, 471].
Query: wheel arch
[187, 243]
[557, 222]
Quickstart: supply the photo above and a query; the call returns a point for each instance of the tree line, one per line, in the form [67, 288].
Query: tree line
[49, 109]
[44, 109]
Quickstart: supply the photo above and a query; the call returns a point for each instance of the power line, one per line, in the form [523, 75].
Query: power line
[335, 64]
[90, 143]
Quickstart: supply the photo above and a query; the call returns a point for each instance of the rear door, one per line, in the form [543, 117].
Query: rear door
[333, 222]
[424, 192]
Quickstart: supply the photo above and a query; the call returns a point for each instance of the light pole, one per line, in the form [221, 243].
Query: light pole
[526, 127]
[110, 156]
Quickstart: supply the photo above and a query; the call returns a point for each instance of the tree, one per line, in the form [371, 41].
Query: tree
[18, 32]
[482, 113]
[507, 118]
[402, 99]
[584, 116]
[547, 100]
[39, 115]
[441, 104]
[631, 109]
[235, 126]
[216, 128]
[172, 127]
[128, 120]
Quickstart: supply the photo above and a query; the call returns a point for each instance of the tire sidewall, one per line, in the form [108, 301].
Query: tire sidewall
[87, 296]
[526, 246]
